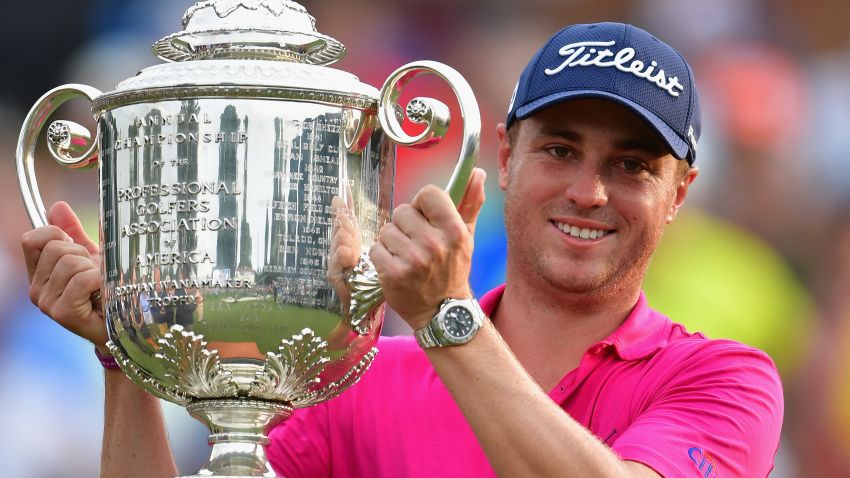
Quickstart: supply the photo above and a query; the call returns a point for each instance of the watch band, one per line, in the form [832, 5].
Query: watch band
[425, 337]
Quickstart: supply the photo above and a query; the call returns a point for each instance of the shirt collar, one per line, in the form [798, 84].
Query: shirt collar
[643, 333]
[489, 302]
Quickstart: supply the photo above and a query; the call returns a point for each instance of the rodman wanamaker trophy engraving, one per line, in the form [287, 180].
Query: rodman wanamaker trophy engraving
[230, 178]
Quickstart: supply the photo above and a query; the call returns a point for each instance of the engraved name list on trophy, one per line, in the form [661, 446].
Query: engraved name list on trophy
[185, 203]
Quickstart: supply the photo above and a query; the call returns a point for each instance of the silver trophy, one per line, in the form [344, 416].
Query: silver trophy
[241, 186]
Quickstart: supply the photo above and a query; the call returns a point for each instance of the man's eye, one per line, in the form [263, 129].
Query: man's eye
[559, 151]
[633, 165]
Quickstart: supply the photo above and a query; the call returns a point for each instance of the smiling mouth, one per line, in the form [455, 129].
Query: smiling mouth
[582, 233]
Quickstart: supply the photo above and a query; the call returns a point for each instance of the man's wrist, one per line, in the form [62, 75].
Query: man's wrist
[106, 359]
[422, 321]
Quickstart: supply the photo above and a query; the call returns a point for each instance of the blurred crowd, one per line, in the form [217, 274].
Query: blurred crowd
[761, 252]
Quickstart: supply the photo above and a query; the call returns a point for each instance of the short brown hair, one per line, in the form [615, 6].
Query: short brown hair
[513, 132]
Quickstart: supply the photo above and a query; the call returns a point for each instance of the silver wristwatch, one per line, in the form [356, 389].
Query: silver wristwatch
[455, 324]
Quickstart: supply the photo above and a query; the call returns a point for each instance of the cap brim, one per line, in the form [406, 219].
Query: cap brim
[677, 145]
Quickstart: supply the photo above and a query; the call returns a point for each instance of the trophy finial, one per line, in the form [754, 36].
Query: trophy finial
[249, 30]
[223, 8]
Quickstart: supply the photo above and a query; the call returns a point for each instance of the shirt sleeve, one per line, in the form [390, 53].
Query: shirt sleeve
[299, 446]
[719, 414]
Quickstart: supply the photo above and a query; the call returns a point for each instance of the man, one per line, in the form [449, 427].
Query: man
[595, 159]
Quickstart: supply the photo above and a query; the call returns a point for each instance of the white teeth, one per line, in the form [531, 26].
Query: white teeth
[581, 233]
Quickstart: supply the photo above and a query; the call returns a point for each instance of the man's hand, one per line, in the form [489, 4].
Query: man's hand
[64, 271]
[425, 254]
[346, 244]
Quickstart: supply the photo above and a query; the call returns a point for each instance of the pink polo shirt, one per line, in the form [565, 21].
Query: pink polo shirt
[678, 402]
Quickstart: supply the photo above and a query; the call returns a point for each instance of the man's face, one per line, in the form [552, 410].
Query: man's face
[589, 188]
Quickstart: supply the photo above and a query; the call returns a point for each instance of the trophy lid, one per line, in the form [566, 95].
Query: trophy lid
[245, 49]
[249, 30]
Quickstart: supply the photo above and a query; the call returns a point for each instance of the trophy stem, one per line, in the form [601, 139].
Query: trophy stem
[238, 435]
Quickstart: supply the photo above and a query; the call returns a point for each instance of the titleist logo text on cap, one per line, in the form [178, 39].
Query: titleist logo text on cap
[623, 60]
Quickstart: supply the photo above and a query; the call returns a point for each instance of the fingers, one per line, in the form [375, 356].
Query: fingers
[473, 199]
[346, 241]
[344, 230]
[49, 260]
[349, 198]
[62, 265]
[396, 241]
[411, 221]
[66, 297]
[343, 210]
[74, 309]
[63, 216]
[385, 263]
[33, 242]
[64, 282]
[343, 237]
[437, 206]
[342, 258]
[432, 222]
[345, 248]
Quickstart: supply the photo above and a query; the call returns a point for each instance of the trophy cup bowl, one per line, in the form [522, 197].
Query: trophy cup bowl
[242, 184]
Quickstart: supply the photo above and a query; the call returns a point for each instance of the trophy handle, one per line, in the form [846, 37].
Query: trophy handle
[436, 115]
[64, 140]
[366, 293]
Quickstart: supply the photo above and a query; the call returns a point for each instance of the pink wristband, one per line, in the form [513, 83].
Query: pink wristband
[108, 361]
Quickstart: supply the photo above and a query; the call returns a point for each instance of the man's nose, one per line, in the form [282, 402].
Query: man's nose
[586, 188]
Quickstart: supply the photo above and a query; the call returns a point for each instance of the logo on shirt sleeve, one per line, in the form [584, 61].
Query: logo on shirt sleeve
[706, 463]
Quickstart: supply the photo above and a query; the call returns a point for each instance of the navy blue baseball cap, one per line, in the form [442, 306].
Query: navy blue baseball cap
[621, 63]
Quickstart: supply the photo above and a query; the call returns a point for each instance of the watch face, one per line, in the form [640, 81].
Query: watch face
[458, 322]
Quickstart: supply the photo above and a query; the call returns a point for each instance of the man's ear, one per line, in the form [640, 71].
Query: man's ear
[682, 193]
[504, 154]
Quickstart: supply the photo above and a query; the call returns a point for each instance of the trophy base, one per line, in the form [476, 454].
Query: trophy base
[238, 436]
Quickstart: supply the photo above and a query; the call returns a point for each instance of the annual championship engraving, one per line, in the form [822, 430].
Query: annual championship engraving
[231, 178]
[165, 209]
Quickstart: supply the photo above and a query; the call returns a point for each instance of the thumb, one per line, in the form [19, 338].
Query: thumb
[473, 199]
[62, 216]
